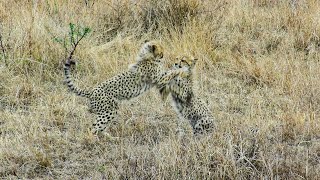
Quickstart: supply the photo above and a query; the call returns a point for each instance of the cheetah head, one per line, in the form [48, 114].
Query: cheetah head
[151, 50]
[187, 62]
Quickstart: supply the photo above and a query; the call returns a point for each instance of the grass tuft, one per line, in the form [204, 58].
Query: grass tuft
[258, 71]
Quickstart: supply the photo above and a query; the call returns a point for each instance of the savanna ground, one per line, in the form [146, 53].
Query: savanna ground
[258, 69]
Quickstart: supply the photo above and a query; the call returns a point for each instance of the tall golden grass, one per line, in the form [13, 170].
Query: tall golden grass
[258, 69]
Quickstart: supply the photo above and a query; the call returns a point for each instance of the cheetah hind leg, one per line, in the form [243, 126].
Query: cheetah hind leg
[100, 125]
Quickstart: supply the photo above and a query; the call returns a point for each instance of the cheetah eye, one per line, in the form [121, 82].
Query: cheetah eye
[161, 55]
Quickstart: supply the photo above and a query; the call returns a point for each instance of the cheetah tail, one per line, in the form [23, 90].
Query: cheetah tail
[68, 80]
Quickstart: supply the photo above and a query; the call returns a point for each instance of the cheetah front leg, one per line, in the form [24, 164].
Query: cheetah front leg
[167, 76]
[181, 89]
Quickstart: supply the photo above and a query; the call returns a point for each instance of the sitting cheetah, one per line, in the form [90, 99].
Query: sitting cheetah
[144, 74]
[185, 102]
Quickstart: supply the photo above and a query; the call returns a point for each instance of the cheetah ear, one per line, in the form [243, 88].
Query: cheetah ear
[194, 62]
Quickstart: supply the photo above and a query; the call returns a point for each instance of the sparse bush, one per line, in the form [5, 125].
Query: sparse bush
[258, 70]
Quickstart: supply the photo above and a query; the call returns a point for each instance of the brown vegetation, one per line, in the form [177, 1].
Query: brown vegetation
[258, 68]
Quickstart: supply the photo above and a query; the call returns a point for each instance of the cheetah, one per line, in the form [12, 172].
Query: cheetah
[187, 105]
[104, 100]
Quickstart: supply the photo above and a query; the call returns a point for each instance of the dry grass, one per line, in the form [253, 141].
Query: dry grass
[258, 69]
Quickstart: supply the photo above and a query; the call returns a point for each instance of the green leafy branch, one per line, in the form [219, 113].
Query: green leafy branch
[76, 34]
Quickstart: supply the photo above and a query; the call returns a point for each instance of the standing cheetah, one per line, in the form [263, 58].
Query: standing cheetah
[144, 74]
[187, 105]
